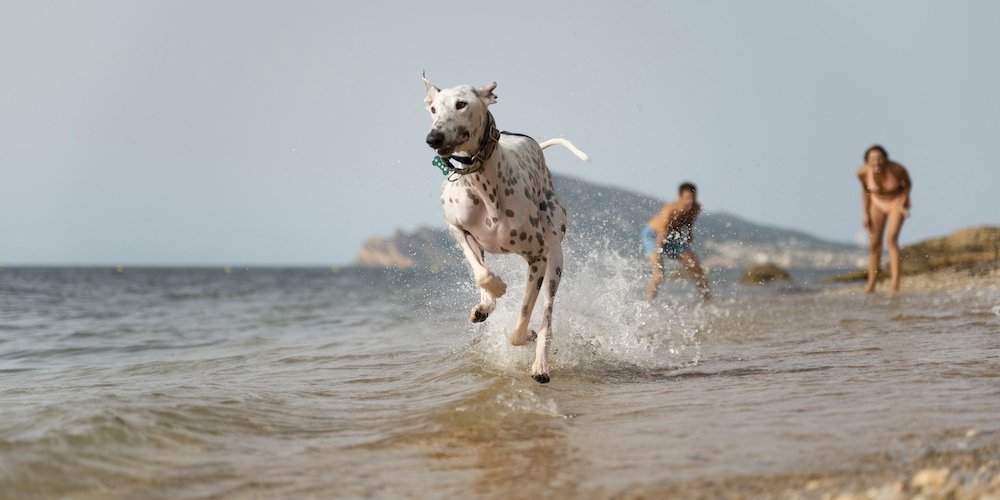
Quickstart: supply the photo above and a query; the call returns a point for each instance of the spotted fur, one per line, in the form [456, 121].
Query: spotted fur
[509, 206]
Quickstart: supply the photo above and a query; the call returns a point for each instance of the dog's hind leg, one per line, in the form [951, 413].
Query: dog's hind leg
[491, 286]
[536, 274]
[553, 274]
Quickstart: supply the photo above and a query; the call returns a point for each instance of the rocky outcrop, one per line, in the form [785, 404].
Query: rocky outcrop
[380, 252]
[425, 247]
[969, 248]
[762, 274]
[964, 248]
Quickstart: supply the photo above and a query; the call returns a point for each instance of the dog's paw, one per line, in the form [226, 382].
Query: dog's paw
[493, 284]
[479, 315]
[540, 371]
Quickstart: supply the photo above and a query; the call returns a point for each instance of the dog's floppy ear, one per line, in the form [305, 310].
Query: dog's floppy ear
[432, 91]
[487, 93]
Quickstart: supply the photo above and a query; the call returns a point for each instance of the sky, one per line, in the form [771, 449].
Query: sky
[286, 133]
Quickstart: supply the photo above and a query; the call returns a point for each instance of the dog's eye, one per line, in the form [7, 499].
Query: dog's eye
[460, 104]
[433, 110]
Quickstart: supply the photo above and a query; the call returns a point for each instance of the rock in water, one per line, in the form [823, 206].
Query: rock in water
[762, 274]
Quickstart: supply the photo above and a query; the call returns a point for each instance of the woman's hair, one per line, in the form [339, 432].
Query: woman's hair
[687, 186]
[880, 149]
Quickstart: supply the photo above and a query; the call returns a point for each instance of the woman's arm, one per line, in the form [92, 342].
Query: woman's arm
[904, 177]
[866, 200]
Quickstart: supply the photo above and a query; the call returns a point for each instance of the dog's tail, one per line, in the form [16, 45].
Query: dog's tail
[569, 145]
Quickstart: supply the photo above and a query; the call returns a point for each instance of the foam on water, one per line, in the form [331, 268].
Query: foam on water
[601, 319]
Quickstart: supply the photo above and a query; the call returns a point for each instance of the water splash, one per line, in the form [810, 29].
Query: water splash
[601, 319]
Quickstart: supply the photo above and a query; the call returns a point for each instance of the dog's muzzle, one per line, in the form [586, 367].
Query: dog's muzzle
[435, 139]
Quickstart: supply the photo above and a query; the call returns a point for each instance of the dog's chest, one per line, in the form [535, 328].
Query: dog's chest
[501, 211]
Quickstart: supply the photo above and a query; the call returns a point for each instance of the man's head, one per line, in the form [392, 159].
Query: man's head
[687, 194]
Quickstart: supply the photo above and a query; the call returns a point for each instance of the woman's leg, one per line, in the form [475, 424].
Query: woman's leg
[895, 223]
[876, 228]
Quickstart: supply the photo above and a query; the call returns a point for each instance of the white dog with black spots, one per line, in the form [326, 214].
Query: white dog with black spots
[500, 201]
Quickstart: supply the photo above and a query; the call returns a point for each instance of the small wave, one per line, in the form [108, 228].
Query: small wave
[922, 318]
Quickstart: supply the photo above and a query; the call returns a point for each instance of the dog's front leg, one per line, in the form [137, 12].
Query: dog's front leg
[491, 286]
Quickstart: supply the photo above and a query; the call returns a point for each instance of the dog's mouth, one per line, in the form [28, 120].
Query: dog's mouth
[460, 139]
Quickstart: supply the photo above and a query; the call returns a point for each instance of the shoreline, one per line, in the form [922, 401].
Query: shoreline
[985, 276]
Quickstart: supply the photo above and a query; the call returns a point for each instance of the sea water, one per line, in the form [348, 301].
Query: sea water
[205, 382]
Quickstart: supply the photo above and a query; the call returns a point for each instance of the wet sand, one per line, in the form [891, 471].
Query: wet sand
[972, 473]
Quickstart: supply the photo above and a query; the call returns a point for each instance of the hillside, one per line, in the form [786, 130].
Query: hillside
[606, 213]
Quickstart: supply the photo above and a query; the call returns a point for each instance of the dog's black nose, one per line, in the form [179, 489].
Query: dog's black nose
[435, 139]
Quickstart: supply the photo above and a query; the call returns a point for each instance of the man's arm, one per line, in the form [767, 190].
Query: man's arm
[694, 217]
[663, 224]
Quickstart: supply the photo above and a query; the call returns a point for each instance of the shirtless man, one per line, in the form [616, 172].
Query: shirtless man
[885, 198]
[670, 233]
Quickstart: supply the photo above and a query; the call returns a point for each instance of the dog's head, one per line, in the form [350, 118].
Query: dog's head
[459, 115]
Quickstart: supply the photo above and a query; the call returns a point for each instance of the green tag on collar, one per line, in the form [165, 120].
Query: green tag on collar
[440, 164]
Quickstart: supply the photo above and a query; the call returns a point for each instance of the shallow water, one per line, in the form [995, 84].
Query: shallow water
[179, 383]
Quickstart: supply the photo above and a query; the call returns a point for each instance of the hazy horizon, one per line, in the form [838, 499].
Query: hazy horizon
[262, 133]
[384, 234]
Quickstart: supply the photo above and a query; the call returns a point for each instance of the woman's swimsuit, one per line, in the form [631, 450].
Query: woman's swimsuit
[890, 195]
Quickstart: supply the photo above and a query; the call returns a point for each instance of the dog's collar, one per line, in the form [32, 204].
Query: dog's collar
[474, 163]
